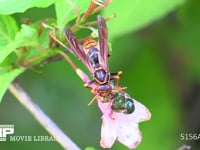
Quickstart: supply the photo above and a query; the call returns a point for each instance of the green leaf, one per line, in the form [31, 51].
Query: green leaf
[137, 14]
[6, 77]
[65, 11]
[186, 39]
[8, 29]
[90, 148]
[13, 6]
[26, 37]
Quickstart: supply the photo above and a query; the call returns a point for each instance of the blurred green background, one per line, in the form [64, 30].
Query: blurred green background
[160, 60]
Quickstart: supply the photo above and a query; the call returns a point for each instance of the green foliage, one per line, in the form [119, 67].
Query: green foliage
[90, 148]
[186, 41]
[13, 6]
[26, 33]
[132, 16]
[8, 29]
[65, 12]
[6, 77]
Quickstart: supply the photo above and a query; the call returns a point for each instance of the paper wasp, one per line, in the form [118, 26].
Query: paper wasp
[94, 56]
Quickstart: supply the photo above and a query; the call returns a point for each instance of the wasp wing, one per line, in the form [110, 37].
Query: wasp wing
[78, 49]
[103, 41]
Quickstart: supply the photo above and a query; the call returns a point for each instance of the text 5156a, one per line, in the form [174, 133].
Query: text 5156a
[189, 136]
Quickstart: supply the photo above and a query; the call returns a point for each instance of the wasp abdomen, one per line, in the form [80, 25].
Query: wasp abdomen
[94, 56]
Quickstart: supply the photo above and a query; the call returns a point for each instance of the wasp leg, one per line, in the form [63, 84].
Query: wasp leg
[117, 88]
[116, 76]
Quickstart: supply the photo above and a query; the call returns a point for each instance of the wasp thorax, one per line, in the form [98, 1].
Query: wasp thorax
[100, 76]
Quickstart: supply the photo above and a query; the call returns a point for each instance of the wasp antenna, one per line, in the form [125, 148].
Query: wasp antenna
[92, 101]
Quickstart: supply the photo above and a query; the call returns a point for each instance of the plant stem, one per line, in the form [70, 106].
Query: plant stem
[42, 118]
